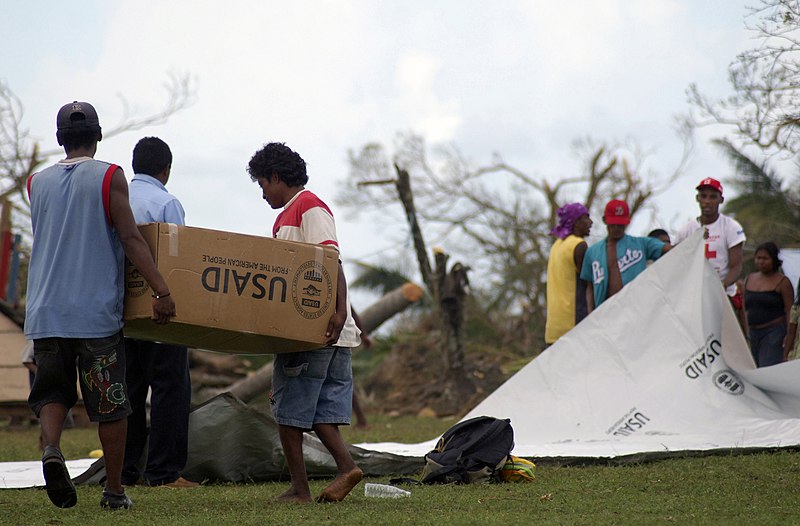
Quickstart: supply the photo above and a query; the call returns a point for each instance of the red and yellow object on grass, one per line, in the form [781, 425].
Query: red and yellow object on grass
[517, 469]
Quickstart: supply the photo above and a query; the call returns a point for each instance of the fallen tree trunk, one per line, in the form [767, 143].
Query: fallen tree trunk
[372, 317]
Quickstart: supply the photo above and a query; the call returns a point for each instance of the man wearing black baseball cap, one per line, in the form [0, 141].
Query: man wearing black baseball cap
[83, 229]
[77, 116]
[724, 236]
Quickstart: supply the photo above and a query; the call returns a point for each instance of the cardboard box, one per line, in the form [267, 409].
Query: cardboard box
[234, 293]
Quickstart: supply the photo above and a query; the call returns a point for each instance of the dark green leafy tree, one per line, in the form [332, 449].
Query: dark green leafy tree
[378, 279]
[766, 207]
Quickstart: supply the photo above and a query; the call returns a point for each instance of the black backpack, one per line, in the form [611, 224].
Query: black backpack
[470, 451]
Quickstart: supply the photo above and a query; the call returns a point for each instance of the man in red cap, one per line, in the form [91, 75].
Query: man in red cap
[631, 254]
[724, 237]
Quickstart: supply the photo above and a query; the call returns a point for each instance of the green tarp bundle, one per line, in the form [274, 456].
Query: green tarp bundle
[230, 441]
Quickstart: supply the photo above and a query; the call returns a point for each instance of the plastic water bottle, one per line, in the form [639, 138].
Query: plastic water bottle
[384, 491]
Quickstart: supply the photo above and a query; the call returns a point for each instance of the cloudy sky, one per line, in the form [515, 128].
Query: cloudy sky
[520, 78]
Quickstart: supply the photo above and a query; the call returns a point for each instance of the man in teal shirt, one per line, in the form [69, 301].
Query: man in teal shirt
[631, 254]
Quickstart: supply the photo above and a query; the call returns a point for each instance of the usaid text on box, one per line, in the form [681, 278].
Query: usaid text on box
[309, 287]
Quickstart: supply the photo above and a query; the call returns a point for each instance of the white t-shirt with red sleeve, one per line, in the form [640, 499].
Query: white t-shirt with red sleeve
[722, 235]
[307, 219]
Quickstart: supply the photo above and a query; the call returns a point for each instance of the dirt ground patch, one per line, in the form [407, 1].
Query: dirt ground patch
[411, 380]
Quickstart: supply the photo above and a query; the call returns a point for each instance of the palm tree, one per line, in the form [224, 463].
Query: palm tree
[766, 210]
[379, 278]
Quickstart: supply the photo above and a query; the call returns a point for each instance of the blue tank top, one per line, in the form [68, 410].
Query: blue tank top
[76, 271]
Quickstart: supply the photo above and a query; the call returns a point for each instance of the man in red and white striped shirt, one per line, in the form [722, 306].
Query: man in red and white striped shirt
[310, 390]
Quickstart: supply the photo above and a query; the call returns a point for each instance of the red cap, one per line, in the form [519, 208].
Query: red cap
[710, 182]
[617, 213]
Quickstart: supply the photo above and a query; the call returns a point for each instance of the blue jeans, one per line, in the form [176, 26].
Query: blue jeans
[766, 344]
[164, 369]
[312, 387]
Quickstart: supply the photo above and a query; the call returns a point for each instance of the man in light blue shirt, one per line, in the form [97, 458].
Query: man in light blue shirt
[164, 369]
[150, 201]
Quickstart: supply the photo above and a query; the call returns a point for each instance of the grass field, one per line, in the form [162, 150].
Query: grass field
[757, 489]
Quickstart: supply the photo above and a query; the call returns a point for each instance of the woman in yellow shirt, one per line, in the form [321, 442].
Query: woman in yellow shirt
[566, 295]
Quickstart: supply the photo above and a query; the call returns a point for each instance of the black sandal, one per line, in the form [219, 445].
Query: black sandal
[58, 483]
[114, 501]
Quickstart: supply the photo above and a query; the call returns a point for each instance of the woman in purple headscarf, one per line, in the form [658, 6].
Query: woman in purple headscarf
[566, 293]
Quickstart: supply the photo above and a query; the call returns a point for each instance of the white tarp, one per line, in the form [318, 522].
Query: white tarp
[661, 367]
[791, 265]
[29, 473]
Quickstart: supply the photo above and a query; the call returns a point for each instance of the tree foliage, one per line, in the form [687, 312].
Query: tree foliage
[379, 279]
[766, 210]
[764, 108]
[761, 118]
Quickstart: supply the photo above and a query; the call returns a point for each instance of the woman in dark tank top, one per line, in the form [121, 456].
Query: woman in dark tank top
[768, 296]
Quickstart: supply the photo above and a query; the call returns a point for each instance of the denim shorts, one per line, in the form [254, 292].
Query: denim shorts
[101, 366]
[312, 387]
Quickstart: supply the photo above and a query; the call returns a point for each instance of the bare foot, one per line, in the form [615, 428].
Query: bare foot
[341, 486]
[292, 496]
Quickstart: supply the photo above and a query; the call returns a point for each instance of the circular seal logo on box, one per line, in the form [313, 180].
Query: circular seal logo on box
[727, 381]
[312, 290]
[135, 284]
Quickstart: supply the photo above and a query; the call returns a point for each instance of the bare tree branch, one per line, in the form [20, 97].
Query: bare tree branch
[497, 215]
[21, 156]
[763, 108]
